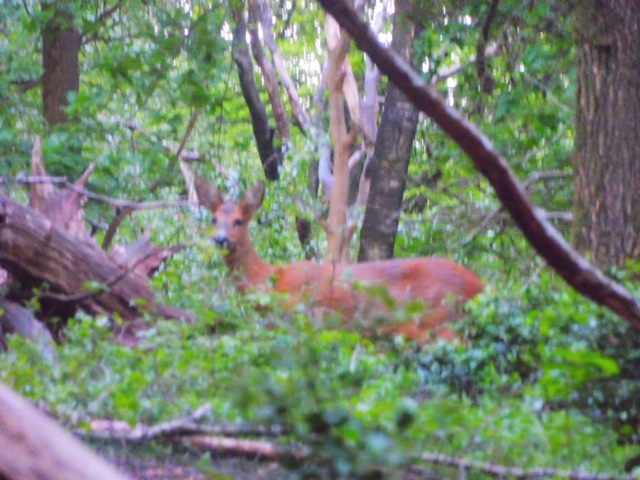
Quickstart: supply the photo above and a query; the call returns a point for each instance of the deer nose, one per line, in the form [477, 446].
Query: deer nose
[222, 241]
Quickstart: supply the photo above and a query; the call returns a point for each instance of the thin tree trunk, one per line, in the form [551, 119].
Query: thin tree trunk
[389, 164]
[607, 147]
[268, 71]
[262, 131]
[336, 226]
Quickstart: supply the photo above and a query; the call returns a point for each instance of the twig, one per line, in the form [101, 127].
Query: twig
[113, 227]
[535, 177]
[550, 174]
[114, 202]
[248, 448]
[189, 156]
[187, 133]
[503, 471]
[172, 427]
[187, 426]
[215, 438]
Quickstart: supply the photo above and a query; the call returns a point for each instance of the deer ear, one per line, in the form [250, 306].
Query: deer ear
[253, 198]
[208, 195]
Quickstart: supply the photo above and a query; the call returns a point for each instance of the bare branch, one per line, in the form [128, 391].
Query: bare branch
[215, 438]
[268, 69]
[243, 448]
[189, 156]
[114, 202]
[269, 39]
[492, 51]
[191, 425]
[16, 318]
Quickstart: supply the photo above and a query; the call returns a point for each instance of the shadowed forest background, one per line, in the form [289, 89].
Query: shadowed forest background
[118, 318]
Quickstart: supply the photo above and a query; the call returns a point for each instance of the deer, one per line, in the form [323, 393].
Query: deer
[349, 290]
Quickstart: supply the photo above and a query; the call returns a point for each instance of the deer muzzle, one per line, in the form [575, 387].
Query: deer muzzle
[222, 241]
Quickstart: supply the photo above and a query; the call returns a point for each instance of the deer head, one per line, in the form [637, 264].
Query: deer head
[230, 218]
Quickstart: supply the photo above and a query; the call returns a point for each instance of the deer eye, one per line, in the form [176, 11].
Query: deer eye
[238, 222]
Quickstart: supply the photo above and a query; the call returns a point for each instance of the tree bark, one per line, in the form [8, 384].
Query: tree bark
[33, 446]
[262, 131]
[268, 71]
[60, 60]
[607, 146]
[336, 226]
[48, 244]
[300, 113]
[389, 164]
[542, 236]
[34, 251]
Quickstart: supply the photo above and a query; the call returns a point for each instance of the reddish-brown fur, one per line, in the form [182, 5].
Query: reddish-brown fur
[349, 289]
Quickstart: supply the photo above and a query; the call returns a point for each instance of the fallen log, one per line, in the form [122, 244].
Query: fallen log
[77, 273]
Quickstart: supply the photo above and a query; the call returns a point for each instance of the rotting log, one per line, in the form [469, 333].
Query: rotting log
[34, 446]
[37, 253]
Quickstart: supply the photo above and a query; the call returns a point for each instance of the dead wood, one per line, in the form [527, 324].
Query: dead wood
[63, 207]
[33, 446]
[38, 254]
[49, 247]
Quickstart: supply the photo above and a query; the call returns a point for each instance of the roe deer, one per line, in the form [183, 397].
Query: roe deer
[441, 285]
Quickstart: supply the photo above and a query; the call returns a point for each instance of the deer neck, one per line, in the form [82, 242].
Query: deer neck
[247, 268]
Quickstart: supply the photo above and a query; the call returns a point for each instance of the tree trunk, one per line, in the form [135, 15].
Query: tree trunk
[390, 161]
[256, 12]
[336, 226]
[60, 50]
[607, 146]
[270, 157]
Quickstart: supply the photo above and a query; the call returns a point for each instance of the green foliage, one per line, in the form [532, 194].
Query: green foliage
[361, 408]
[542, 377]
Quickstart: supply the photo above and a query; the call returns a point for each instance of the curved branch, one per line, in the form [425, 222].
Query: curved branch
[546, 240]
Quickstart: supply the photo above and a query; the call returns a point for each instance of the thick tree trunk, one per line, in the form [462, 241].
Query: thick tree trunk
[60, 60]
[390, 161]
[607, 146]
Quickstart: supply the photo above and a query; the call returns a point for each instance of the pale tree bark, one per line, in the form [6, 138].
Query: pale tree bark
[390, 161]
[607, 146]
[338, 231]
[300, 113]
[268, 71]
[34, 446]
[537, 229]
[60, 60]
